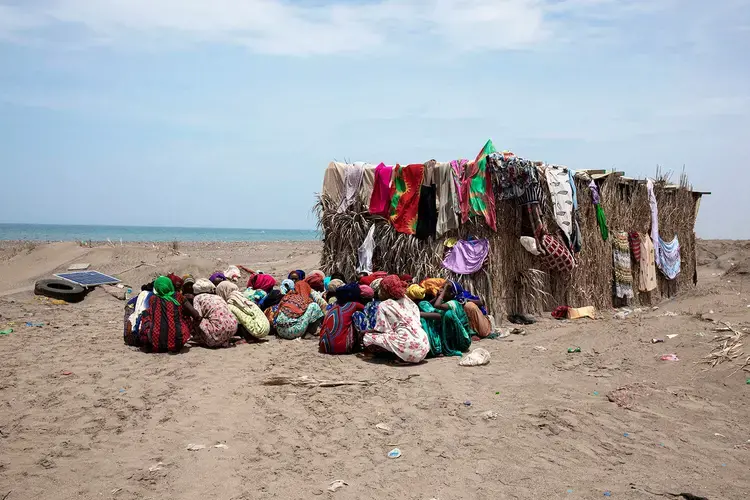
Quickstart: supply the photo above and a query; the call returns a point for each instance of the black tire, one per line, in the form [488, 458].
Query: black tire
[60, 289]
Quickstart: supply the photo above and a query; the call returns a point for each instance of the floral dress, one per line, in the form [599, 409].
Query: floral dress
[217, 325]
[398, 330]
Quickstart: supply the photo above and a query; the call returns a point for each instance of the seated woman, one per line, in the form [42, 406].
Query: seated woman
[430, 318]
[216, 323]
[187, 284]
[456, 331]
[164, 325]
[337, 333]
[364, 320]
[253, 324]
[397, 327]
[296, 275]
[474, 309]
[296, 313]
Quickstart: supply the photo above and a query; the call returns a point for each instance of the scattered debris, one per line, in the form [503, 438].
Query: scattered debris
[222, 446]
[115, 491]
[540, 348]
[728, 347]
[477, 357]
[467, 403]
[195, 447]
[156, 467]
[7, 331]
[79, 267]
[35, 325]
[67, 373]
[719, 435]
[394, 453]
[306, 381]
[383, 428]
[518, 331]
[574, 349]
[656, 341]
[337, 484]
[673, 335]
[489, 415]
[670, 357]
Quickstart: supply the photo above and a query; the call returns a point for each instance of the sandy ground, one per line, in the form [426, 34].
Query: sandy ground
[84, 416]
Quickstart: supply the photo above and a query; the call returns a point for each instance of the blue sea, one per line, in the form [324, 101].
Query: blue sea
[54, 232]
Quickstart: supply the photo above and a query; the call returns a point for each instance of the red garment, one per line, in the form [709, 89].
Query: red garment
[176, 281]
[406, 277]
[393, 286]
[407, 183]
[635, 245]
[560, 312]
[337, 330]
[367, 280]
[556, 256]
[315, 282]
[264, 282]
[165, 326]
[380, 201]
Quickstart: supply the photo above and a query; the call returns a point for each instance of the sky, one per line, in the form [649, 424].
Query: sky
[225, 113]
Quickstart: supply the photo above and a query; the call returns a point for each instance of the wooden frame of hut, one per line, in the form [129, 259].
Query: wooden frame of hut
[512, 280]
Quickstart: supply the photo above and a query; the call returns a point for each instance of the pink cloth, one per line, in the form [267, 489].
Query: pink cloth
[467, 256]
[218, 324]
[380, 201]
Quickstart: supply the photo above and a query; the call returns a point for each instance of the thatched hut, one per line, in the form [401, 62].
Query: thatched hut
[512, 280]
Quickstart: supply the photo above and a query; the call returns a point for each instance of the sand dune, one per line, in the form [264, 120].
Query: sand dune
[84, 416]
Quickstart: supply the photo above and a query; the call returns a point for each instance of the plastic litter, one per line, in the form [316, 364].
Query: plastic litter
[195, 447]
[595, 393]
[489, 415]
[625, 434]
[394, 453]
[122, 390]
[37, 325]
[7, 331]
[607, 493]
[221, 445]
[672, 335]
[383, 427]
[467, 403]
[574, 349]
[477, 357]
[337, 484]
[656, 341]
[156, 467]
[670, 357]
[540, 348]
[67, 373]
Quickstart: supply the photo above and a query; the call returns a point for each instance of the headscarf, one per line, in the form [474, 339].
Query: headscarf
[176, 281]
[264, 282]
[406, 278]
[375, 285]
[334, 285]
[286, 286]
[393, 287]
[348, 293]
[316, 282]
[432, 286]
[299, 272]
[462, 295]
[326, 281]
[318, 272]
[188, 279]
[295, 303]
[217, 276]
[366, 292]
[225, 289]
[367, 280]
[203, 286]
[270, 300]
[164, 288]
[415, 292]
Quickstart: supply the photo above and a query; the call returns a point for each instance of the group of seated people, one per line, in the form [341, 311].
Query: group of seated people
[379, 313]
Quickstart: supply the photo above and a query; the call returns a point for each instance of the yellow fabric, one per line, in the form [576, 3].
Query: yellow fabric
[432, 285]
[415, 292]
[581, 312]
[249, 315]
[450, 242]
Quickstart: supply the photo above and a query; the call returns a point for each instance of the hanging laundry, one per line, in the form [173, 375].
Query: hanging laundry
[529, 244]
[647, 281]
[352, 180]
[333, 181]
[512, 175]
[467, 256]
[447, 194]
[635, 245]
[477, 189]
[365, 251]
[621, 260]
[654, 219]
[668, 257]
[405, 197]
[555, 254]
[380, 201]
[458, 167]
[562, 198]
[576, 242]
[365, 188]
[427, 214]
[601, 219]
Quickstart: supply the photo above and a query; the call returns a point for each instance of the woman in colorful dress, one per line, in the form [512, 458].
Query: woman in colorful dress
[164, 325]
[216, 323]
[397, 326]
[456, 331]
[296, 313]
[253, 324]
[337, 333]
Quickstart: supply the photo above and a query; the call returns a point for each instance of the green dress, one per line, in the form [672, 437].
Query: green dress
[456, 332]
[433, 328]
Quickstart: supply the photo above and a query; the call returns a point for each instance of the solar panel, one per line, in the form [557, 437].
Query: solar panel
[88, 278]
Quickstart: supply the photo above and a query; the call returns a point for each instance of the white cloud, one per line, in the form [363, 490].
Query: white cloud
[278, 26]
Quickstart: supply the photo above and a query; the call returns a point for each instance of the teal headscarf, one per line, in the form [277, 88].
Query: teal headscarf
[164, 288]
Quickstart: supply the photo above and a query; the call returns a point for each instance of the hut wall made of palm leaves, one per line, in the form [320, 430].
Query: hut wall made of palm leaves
[512, 280]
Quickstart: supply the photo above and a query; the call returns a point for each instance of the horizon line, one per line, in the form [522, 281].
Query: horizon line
[151, 227]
